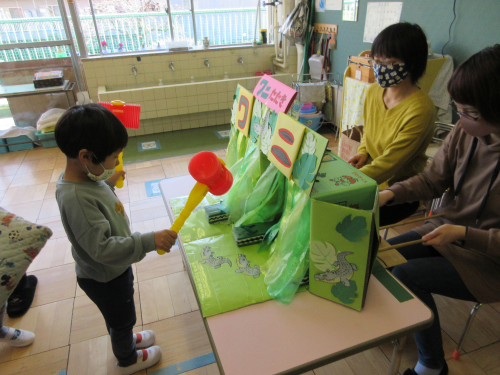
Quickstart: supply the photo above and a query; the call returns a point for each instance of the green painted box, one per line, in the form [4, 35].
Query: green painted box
[344, 233]
[340, 183]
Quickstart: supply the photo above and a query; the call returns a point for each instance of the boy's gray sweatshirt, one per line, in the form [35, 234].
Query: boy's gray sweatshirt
[98, 228]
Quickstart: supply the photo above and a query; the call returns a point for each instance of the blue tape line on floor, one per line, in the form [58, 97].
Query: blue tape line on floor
[62, 372]
[185, 366]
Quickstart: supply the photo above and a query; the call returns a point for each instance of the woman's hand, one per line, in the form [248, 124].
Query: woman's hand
[115, 176]
[444, 235]
[384, 197]
[358, 160]
[165, 239]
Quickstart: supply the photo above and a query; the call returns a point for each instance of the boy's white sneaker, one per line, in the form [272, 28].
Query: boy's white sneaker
[144, 339]
[18, 337]
[145, 359]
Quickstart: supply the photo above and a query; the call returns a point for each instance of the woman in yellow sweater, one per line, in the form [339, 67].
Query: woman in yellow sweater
[399, 117]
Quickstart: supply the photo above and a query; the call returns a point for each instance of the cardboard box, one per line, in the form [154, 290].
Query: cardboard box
[48, 79]
[344, 233]
[340, 183]
[361, 69]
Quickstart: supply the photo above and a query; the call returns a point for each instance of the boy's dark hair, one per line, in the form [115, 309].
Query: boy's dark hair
[403, 41]
[476, 82]
[92, 127]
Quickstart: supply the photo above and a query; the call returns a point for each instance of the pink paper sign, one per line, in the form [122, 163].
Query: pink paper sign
[274, 94]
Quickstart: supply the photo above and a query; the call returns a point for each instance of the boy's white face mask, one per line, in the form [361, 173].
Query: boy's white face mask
[103, 176]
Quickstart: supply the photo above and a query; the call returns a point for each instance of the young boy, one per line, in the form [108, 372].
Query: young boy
[97, 226]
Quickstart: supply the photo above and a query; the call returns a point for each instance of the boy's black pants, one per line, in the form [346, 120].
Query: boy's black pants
[115, 300]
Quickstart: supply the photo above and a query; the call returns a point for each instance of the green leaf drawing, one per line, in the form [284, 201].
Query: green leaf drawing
[233, 113]
[346, 294]
[265, 138]
[352, 229]
[253, 131]
[273, 117]
[264, 116]
[257, 109]
[309, 145]
[323, 255]
[303, 170]
[255, 123]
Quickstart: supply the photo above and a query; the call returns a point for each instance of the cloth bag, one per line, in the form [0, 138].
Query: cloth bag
[350, 140]
[48, 120]
[20, 243]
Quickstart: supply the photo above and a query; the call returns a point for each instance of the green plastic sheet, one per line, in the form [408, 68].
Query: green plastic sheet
[242, 145]
[197, 226]
[232, 148]
[226, 277]
[289, 260]
[246, 172]
[265, 203]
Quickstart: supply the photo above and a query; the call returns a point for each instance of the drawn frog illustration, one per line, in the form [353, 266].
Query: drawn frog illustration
[208, 257]
[344, 180]
[244, 265]
[344, 271]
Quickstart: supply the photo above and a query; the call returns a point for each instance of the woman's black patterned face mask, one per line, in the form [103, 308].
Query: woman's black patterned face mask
[388, 75]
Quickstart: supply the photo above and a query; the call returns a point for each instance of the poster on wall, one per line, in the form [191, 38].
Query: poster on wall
[379, 16]
[320, 6]
[333, 4]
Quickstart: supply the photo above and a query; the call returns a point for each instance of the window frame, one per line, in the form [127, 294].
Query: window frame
[172, 34]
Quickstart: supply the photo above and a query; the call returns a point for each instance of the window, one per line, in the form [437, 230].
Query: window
[54, 11]
[117, 26]
[143, 25]
[123, 26]
[16, 13]
[32, 22]
[226, 22]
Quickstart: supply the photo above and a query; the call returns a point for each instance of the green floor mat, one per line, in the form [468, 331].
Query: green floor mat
[176, 143]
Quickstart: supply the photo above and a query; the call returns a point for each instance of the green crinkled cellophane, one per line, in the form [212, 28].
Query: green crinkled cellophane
[265, 203]
[197, 226]
[289, 258]
[242, 146]
[222, 288]
[246, 172]
[232, 148]
[268, 242]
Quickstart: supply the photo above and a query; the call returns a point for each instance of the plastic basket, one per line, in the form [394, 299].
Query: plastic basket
[3, 150]
[18, 139]
[313, 123]
[128, 114]
[309, 110]
[49, 135]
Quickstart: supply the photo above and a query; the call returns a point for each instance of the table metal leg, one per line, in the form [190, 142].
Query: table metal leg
[399, 345]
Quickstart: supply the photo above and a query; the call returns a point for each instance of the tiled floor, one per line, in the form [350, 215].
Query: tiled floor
[71, 333]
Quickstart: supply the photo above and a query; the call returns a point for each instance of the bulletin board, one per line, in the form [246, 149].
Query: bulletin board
[379, 16]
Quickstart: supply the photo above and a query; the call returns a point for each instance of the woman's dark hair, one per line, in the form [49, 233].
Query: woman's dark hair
[476, 82]
[92, 127]
[404, 41]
